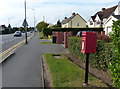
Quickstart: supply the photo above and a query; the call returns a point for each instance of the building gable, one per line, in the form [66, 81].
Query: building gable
[67, 20]
[77, 21]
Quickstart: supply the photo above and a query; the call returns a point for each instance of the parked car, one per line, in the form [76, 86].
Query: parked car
[18, 33]
[31, 31]
[79, 34]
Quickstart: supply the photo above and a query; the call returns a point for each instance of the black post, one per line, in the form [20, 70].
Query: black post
[26, 35]
[25, 25]
[86, 69]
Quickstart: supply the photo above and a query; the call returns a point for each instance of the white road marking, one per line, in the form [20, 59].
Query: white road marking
[2, 42]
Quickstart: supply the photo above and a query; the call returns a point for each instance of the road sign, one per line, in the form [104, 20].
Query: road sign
[25, 23]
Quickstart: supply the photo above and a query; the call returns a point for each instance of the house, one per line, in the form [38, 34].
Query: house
[102, 18]
[2, 27]
[109, 22]
[75, 21]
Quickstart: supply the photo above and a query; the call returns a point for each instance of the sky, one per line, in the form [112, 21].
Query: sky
[12, 11]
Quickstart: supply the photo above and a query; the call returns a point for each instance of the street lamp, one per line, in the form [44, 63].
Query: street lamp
[34, 17]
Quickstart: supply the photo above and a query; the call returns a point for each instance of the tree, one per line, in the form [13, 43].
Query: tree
[58, 23]
[41, 25]
[21, 29]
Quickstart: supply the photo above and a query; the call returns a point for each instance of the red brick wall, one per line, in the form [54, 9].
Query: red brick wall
[62, 37]
[66, 35]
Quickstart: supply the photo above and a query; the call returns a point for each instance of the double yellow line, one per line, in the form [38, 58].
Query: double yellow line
[13, 47]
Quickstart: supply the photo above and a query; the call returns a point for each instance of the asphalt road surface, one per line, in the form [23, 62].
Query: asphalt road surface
[9, 40]
[24, 69]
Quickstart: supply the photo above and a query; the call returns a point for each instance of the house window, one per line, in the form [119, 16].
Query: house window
[98, 22]
[78, 24]
[91, 23]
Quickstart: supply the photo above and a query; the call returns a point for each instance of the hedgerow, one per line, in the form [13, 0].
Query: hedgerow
[115, 63]
[100, 59]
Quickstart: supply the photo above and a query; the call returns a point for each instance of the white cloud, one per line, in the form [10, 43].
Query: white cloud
[51, 9]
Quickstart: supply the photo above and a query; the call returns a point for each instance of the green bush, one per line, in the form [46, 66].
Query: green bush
[115, 63]
[100, 59]
[47, 31]
[74, 47]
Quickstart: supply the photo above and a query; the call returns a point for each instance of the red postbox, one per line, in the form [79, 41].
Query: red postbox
[88, 42]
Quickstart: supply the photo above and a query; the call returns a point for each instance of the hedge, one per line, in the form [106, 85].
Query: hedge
[77, 29]
[48, 31]
[100, 59]
[115, 63]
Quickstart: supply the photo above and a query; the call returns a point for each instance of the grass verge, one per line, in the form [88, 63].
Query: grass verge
[46, 43]
[64, 73]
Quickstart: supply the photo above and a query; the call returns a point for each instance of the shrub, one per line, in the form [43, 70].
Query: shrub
[115, 63]
[104, 37]
[47, 31]
[100, 59]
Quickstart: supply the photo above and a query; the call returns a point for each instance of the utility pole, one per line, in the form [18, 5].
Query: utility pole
[43, 18]
[25, 24]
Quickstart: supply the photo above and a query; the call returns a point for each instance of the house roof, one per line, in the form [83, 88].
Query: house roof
[105, 13]
[116, 16]
[3, 26]
[67, 19]
[70, 18]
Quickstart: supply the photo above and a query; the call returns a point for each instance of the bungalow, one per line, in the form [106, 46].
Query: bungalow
[105, 17]
[75, 21]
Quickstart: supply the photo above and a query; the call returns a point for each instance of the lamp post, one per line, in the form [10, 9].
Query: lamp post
[34, 17]
[25, 24]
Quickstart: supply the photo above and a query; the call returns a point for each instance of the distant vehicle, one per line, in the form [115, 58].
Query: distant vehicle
[31, 31]
[18, 33]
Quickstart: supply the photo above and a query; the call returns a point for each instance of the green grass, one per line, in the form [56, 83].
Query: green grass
[46, 43]
[66, 74]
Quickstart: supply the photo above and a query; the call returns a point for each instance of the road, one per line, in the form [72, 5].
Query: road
[23, 69]
[9, 40]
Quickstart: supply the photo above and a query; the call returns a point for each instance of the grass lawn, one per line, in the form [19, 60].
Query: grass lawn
[64, 73]
[46, 43]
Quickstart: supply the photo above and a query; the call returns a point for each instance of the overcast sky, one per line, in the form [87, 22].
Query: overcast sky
[12, 11]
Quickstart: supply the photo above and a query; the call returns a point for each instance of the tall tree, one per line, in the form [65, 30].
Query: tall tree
[58, 23]
[41, 25]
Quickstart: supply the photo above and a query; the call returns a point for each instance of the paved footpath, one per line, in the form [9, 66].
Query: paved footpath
[23, 69]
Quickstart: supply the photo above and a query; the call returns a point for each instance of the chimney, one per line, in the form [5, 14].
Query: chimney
[65, 18]
[73, 14]
[103, 9]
